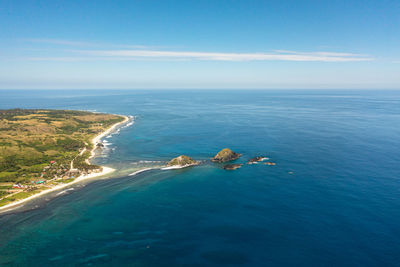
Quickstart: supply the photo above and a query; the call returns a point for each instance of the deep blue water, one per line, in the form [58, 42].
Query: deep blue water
[333, 199]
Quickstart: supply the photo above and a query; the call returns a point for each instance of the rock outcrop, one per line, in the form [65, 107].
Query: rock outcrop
[255, 160]
[100, 145]
[226, 155]
[232, 166]
[182, 161]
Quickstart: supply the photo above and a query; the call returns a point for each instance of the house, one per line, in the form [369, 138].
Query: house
[72, 173]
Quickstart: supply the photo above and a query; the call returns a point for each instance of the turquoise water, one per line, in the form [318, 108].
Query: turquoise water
[333, 199]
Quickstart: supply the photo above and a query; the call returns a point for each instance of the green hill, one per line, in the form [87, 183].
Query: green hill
[37, 146]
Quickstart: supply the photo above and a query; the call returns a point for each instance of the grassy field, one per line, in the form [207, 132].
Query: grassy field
[37, 147]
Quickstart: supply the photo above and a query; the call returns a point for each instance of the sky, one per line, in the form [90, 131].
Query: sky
[200, 44]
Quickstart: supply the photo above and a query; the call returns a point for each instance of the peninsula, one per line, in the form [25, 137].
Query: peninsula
[46, 150]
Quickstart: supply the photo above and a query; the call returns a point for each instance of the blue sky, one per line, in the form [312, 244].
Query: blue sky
[200, 44]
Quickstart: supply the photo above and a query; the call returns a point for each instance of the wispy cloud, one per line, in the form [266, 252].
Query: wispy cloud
[59, 42]
[87, 51]
[61, 59]
[217, 56]
[69, 43]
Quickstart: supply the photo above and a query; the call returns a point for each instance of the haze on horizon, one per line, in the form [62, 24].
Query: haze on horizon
[199, 44]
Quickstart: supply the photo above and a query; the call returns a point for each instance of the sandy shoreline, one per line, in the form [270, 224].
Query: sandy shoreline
[106, 170]
[179, 166]
[97, 138]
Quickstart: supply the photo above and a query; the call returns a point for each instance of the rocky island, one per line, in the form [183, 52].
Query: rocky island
[232, 166]
[256, 160]
[226, 155]
[181, 162]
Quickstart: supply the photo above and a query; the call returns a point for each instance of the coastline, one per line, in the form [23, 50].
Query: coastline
[97, 138]
[106, 170]
[179, 166]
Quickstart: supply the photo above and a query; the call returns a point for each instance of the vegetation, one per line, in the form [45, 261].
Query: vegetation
[182, 161]
[37, 146]
[226, 155]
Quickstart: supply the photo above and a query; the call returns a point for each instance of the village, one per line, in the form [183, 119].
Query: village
[44, 149]
[52, 174]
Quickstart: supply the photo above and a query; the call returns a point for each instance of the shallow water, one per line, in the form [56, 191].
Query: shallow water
[332, 199]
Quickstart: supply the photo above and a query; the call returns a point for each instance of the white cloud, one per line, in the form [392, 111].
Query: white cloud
[139, 52]
[211, 56]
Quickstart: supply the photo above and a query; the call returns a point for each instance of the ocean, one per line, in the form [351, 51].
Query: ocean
[332, 199]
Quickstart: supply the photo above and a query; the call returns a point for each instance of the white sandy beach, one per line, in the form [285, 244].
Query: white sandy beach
[106, 170]
[179, 166]
[97, 138]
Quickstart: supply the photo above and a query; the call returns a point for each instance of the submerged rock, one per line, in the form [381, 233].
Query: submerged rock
[182, 160]
[232, 166]
[226, 155]
[256, 160]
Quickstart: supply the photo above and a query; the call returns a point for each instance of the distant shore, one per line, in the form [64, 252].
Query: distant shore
[105, 170]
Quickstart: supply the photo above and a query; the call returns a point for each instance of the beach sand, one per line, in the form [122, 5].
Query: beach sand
[105, 171]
